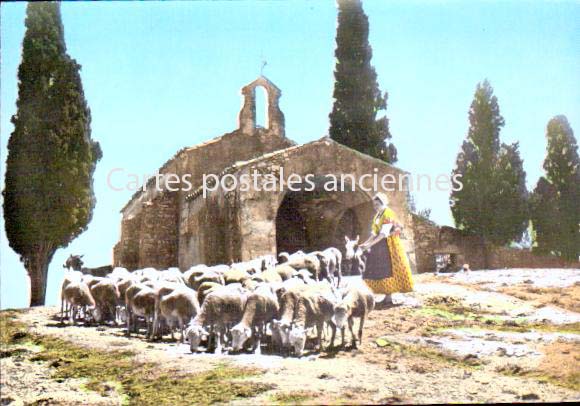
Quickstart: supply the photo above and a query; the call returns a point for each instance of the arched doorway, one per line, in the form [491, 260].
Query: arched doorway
[290, 227]
[347, 226]
[318, 219]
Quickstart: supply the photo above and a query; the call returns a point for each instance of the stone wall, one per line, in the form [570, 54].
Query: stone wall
[158, 236]
[426, 243]
[157, 241]
[501, 257]
[431, 239]
[209, 232]
[251, 215]
[126, 252]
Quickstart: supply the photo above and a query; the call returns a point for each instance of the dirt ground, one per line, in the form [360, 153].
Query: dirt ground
[456, 339]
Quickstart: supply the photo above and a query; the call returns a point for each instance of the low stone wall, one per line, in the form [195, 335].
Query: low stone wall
[501, 257]
[432, 239]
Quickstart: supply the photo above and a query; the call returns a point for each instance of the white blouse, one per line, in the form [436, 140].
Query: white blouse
[385, 229]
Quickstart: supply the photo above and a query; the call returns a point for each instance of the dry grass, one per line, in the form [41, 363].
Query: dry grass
[567, 298]
[140, 383]
[559, 366]
[562, 364]
[294, 397]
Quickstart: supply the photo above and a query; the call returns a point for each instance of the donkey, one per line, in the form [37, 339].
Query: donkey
[355, 256]
[75, 262]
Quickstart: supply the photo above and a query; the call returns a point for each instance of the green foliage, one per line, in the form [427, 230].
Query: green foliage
[493, 202]
[512, 207]
[555, 210]
[48, 198]
[358, 100]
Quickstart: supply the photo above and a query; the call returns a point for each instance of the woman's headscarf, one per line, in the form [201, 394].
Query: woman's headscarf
[381, 197]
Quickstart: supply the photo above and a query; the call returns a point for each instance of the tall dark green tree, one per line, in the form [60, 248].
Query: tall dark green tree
[48, 196]
[512, 204]
[555, 208]
[493, 201]
[358, 100]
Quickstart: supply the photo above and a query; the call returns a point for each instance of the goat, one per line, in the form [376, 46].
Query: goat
[76, 263]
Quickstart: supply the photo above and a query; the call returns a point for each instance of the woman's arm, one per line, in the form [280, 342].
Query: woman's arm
[373, 239]
[368, 240]
[389, 226]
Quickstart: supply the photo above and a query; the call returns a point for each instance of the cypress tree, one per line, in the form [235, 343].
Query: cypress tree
[358, 100]
[512, 206]
[555, 210]
[493, 200]
[48, 195]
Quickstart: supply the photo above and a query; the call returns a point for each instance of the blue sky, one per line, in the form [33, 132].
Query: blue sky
[159, 76]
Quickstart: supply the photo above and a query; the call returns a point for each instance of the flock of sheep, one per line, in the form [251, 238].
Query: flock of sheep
[277, 301]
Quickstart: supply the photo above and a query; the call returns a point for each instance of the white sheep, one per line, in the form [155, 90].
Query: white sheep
[179, 307]
[261, 308]
[358, 301]
[69, 276]
[315, 307]
[288, 300]
[107, 298]
[221, 308]
[77, 294]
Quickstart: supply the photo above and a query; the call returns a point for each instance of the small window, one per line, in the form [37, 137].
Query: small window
[261, 107]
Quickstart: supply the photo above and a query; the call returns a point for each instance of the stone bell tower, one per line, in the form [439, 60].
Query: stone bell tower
[247, 116]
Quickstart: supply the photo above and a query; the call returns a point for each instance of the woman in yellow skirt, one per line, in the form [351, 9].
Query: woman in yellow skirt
[387, 268]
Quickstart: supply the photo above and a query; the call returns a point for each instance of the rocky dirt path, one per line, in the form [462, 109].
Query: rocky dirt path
[457, 338]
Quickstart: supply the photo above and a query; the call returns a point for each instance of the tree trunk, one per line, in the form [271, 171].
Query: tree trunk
[37, 267]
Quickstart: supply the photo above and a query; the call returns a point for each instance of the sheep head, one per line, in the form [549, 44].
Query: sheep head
[341, 312]
[350, 247]
[96, 313]
[240, 334]
[297, 339]
[195, 333]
